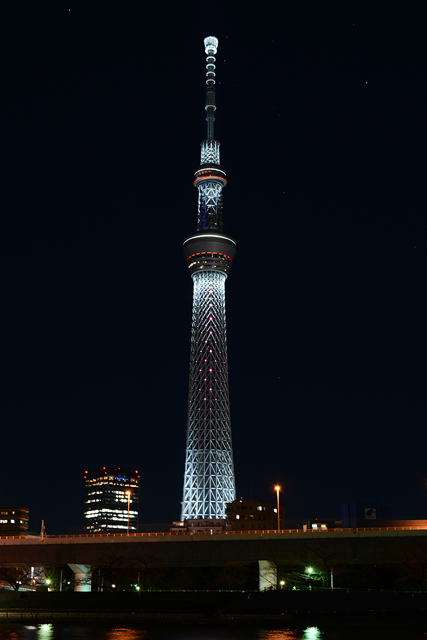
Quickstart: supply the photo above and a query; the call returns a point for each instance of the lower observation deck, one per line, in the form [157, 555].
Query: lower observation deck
[209, 250]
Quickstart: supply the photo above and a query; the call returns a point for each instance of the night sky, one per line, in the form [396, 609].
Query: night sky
[322, 123]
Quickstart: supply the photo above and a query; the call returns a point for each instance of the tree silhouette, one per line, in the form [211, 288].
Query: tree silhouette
[15, 575]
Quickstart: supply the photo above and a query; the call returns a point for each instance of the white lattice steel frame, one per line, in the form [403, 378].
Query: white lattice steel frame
[209, 472]
[209, 205]
[209, 152]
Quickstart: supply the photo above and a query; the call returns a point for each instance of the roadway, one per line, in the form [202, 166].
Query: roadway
[361, 546]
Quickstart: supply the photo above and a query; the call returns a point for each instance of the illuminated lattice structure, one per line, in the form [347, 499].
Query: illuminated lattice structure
[209, 473]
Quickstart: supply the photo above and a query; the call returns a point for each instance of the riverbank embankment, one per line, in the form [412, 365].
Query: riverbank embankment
[232, 607]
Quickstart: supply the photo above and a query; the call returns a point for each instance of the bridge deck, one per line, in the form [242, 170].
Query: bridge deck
[218, 548]
[220, 535]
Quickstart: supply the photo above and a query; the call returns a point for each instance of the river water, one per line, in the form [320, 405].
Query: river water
[163, 632]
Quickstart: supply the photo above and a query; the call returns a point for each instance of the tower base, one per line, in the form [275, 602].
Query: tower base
[200, 525]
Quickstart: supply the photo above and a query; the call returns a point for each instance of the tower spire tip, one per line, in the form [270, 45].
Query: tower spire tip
[211, 45]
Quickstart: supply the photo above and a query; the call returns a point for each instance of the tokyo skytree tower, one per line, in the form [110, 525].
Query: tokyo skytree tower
[209, 471]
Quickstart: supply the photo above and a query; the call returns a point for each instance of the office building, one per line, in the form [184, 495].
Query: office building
[111, 501]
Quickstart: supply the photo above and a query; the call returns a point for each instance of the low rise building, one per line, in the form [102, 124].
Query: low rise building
[369, 514]
[320, 524]
[253, 515]
[14, 521]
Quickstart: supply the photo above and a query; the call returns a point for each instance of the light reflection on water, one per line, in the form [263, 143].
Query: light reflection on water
[55, 631]
[311, 633]
[125, 633]
[279, 635]
[45, 632]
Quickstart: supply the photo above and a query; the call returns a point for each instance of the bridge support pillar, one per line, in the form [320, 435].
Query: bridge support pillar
[267, 575]
[82, 576]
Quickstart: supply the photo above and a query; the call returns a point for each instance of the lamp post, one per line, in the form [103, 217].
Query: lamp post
[277, 489]
[128, 495]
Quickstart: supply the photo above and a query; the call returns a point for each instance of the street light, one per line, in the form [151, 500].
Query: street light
[277, 489]
[309, 571]
[127, 493]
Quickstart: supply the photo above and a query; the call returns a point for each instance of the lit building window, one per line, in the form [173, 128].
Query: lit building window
[111, 511]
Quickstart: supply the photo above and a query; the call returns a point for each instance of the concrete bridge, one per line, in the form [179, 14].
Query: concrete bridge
[268, 548]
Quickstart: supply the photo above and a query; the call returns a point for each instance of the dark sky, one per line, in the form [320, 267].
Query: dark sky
[321, 119]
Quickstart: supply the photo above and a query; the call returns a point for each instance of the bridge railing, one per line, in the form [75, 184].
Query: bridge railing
[213, 533]
[231, 533]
